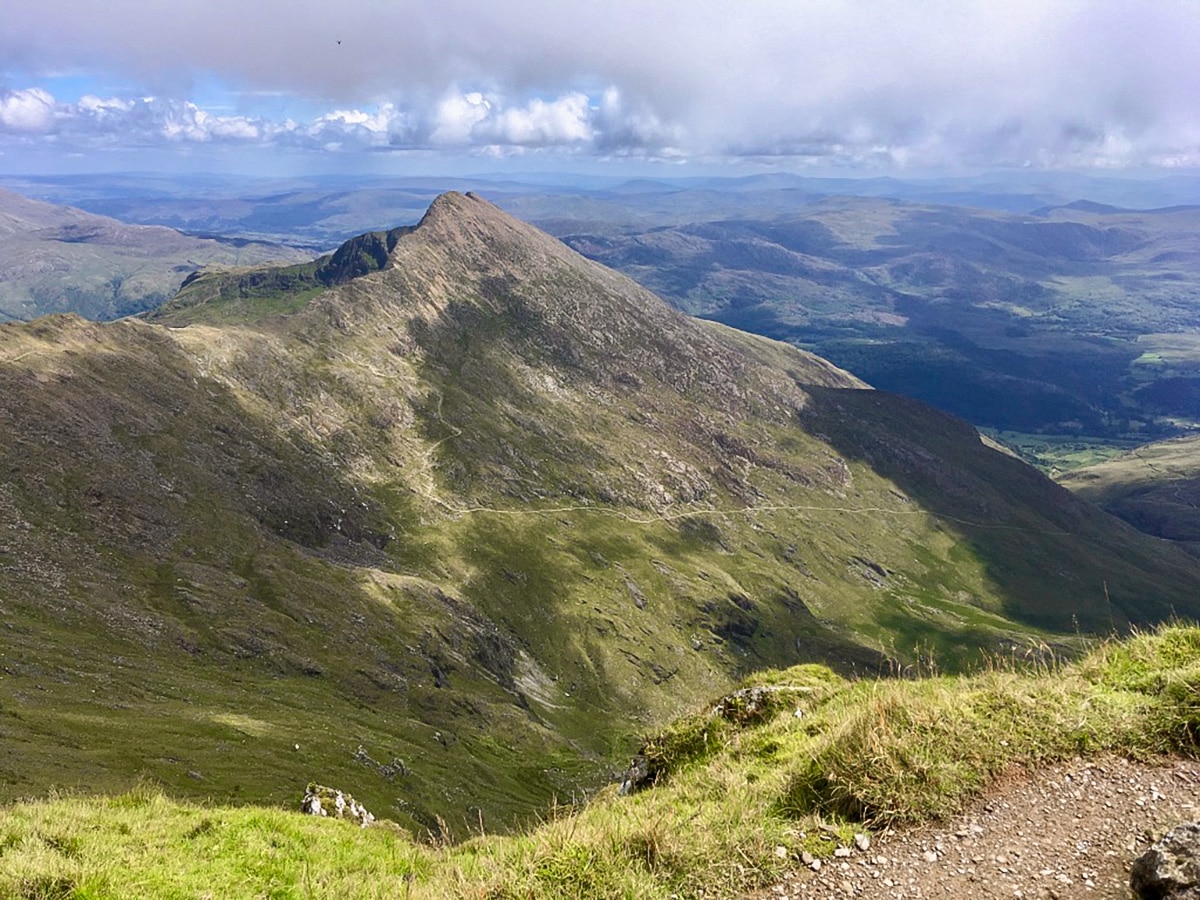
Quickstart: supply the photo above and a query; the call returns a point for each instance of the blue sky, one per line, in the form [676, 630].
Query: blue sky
[677, 86]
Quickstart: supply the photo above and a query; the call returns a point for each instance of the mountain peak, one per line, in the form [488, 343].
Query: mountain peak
[455, 220]
[454, 202]
[470, 270]
[534, 504]
[455, 209]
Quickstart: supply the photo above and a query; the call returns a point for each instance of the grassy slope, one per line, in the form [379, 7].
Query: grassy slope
[743, 789]
[462, 513]
[1155, 487]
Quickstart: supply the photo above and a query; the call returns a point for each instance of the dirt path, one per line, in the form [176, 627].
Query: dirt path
[1064, 832]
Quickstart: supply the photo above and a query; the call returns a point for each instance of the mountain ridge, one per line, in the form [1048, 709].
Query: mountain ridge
[480, 515]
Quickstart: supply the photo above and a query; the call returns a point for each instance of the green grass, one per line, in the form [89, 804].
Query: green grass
[1154, 487]
[1056, 454]
[240, 624]
[465, 515]
[742, 790]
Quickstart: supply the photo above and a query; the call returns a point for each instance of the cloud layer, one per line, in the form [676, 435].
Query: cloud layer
[937, 83]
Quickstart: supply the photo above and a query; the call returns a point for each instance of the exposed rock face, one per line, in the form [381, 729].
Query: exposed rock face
[320, 800]
[1170, 870]
[750, 705]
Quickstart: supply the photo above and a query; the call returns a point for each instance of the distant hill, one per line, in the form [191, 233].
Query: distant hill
[1156, 488]
[1036, 322]
[61, 259]
[1004, 299]
[453, 515]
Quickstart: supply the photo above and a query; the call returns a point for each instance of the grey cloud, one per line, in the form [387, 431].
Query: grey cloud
[1045, 82]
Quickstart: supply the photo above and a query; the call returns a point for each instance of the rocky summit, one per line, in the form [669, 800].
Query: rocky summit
[452, 516]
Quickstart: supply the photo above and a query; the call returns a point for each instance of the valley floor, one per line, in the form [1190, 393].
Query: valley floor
[1066, 831]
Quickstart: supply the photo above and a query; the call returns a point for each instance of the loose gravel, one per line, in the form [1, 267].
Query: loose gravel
[1067, 831]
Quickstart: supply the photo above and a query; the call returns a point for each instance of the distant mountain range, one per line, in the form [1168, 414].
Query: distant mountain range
[453, 514]
[62, 259]
[322, 211]
[1039, 322]
[1007, 300]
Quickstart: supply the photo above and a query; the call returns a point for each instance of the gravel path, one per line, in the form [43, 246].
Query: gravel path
[1068, 831]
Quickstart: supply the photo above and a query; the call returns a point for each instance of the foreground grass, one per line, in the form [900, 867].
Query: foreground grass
[799, 760]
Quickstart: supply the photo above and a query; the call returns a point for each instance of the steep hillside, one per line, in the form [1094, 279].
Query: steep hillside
[60, 259]
[1156, 488]
[460, 527]
[1056, 776]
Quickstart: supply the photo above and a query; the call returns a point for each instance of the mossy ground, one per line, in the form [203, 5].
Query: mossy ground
[738, 798]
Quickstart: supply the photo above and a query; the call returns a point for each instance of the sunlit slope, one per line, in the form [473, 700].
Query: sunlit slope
[458, 530]
[59, 259]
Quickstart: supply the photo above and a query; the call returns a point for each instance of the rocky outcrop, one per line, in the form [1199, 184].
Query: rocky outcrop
[320, 800]
[1170, 869]
[636, 777]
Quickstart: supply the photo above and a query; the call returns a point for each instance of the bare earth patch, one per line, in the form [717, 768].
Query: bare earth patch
[1067, 831]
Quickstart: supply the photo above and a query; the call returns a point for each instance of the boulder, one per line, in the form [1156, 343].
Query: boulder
[1170, 869]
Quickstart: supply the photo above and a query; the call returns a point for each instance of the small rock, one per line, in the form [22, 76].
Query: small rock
[637, 776]
[841, 852]
[781, 851]
[862, 841]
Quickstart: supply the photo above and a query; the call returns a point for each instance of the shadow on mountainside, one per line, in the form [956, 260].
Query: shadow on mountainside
[1057, 560]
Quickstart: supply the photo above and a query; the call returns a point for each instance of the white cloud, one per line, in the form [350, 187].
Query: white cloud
[28, 111]
[492, 125]
[185, 121]
[566, 120]
[457, 115]
[90, 104]
[350, 119]
[235, 128]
